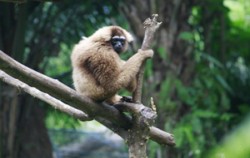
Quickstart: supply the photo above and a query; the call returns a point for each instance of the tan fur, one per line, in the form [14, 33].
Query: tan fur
[98, 71]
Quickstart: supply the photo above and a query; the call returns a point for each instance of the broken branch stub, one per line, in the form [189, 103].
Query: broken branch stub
[150, 25]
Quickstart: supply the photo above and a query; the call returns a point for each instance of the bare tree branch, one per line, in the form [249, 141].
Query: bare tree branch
[106, 114]
[57, 104]
[161, 137]
[151, 25]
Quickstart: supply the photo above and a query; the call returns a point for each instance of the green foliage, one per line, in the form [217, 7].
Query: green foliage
[56, 120]
[164, 102]
[239, 14]
[236, 144]
[188, 36]
[204, 112]
[148, 68]
[199, 113]
[207, 103]
[162, 52]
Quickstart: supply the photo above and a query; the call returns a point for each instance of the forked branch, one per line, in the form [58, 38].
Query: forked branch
[151, 25]
[109, 116]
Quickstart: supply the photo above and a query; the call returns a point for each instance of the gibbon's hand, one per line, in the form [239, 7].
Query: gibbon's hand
[147, 53]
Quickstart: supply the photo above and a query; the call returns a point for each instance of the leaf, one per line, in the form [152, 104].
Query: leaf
[205, 114]
[162, 52]
[148, 68]
[182, 90]
[212, 59]
[188, 36]
[223, 82]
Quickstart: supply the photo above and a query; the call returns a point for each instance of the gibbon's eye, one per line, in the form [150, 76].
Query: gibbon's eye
[118, 43]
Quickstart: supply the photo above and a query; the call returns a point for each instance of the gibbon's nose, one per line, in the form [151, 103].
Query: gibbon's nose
[119, 45]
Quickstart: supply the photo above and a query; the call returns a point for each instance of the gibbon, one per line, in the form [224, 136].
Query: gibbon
[98, 71]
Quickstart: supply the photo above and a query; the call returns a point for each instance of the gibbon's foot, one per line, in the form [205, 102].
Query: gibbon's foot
[128, 99]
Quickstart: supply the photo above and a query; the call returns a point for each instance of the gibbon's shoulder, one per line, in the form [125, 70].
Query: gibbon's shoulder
[84, 44]
[80, 50]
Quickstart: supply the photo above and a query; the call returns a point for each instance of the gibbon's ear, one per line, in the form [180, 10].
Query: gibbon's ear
[84, 37]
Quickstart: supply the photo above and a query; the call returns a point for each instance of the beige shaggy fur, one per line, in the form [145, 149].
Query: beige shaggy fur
[99, 72]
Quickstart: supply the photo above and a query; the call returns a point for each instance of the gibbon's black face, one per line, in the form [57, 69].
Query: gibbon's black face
[118, 43]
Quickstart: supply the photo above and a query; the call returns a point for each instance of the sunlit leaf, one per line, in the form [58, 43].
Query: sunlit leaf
[188, 36]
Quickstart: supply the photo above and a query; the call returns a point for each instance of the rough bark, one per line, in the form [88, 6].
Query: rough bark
[139, 133]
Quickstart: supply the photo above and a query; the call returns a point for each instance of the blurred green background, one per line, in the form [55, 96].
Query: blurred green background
[199, 76]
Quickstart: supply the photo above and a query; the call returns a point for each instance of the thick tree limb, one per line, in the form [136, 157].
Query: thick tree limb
[106, 114]
[151, 25]
[57, 104]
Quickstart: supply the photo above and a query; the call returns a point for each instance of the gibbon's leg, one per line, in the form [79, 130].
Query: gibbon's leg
[117, 98]
[132, 85]
[114, 99]
[127, 76]
[130, 69]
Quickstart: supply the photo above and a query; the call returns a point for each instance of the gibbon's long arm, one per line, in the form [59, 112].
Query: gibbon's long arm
[132, 66]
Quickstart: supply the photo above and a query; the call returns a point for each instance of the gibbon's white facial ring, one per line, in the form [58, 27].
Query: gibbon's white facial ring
[119, 37]
[118, 43]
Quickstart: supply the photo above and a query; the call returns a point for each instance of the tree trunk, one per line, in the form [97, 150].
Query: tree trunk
[22, 130]
[177, 62]
[137, 149]
[33, 140]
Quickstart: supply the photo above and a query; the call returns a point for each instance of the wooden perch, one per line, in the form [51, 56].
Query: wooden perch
[151, 25]
[57, 104]
[106, 114]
